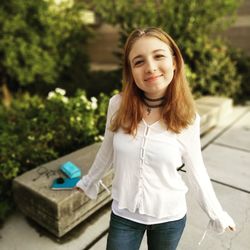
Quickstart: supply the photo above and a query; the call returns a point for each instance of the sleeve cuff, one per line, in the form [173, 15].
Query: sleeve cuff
[221, 224]
[90, 189]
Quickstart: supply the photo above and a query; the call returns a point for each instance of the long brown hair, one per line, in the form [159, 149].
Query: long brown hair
[178, 111]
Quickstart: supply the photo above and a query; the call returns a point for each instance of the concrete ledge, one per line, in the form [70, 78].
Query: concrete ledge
[213, 110]
[60, 211]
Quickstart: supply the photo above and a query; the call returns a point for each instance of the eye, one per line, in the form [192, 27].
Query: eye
[137, 63]
[159, 56]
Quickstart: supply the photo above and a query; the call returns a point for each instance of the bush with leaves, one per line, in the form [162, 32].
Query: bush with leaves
[35, 131]
[42, 42]
[215, 71]
[190, 23]
[242, 61]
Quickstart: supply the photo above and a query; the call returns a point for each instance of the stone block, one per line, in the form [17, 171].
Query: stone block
[213, 110]
[58, 210]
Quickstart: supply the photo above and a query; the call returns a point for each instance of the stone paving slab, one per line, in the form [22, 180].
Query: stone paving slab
[238, 135]
[227, 165]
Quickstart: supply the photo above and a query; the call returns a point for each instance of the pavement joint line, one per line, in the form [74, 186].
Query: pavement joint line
[232, 147]
[100, 236]
[226, 128]
[231, 186]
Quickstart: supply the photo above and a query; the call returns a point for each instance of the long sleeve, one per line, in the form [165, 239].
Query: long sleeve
[104, 158]
[199, 179]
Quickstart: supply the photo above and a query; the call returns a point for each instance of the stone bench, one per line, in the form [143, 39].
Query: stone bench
[60, 211]
[213, 110]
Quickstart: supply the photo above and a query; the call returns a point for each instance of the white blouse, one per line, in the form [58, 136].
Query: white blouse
[146, 181]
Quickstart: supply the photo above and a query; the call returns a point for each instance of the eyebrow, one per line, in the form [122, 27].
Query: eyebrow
[154, 51]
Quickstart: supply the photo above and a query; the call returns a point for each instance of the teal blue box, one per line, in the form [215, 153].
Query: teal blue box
[65, 183]
[70, 169]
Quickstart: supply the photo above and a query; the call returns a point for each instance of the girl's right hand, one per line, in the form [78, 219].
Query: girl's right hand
[78, 189]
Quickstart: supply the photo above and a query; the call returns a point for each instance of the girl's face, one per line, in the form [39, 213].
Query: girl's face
[152, 66]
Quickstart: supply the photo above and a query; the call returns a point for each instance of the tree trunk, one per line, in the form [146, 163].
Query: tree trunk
[7, 97]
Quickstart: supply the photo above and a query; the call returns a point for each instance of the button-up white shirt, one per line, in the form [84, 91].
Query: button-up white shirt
[146, 180]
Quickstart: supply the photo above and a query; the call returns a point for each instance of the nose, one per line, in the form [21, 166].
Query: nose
[150, 66]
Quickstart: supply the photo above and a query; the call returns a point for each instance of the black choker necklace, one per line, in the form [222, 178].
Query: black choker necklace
[149, 106]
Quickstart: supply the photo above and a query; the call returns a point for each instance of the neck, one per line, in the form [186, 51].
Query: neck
[153, 103]
[153, 96]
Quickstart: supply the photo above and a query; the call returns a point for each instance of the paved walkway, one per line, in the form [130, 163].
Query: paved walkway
[226, 152]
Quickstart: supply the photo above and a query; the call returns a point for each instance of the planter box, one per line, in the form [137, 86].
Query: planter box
[213, 110]
[58, 210]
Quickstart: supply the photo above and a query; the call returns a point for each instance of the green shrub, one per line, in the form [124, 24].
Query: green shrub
[42, 43]
[242, 62]
[215, 71]
[35, 131]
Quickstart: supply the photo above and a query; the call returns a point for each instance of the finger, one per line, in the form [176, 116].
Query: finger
[78, 189]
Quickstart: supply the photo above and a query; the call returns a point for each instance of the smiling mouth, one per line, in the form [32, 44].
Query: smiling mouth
[152, 78]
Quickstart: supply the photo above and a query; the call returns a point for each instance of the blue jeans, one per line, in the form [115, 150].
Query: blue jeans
[125, 234]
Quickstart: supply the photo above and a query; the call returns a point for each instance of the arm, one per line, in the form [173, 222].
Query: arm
[200, 181]
[104, 158]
